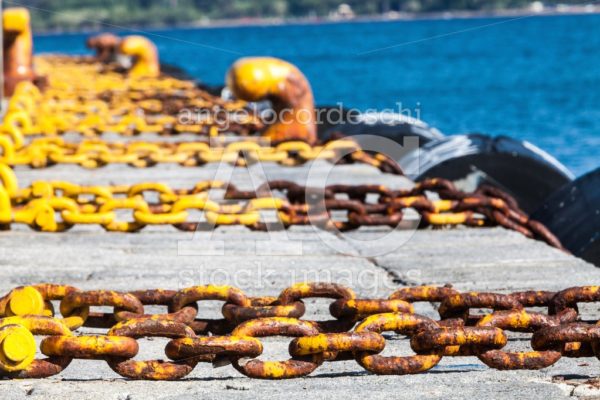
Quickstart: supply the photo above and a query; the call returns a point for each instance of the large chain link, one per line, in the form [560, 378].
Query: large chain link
[356, 335]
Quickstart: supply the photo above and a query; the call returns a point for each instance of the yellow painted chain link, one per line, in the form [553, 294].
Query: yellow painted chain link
[56, 206]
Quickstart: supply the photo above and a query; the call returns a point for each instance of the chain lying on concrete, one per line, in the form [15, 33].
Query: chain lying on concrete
[39, 204]
[76, 91]
[82, 97]
[354, 333]
[42, 153]
[19, 124]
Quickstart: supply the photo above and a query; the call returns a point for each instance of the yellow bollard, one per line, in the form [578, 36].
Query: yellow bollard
[267, 78]
[144, 54]
[18, 48]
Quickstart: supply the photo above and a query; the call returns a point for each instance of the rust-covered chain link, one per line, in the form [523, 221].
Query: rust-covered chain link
[55, 206]
[354, 333]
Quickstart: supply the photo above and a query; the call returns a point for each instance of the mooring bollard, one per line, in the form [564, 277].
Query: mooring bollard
[266, 78]
[144, 55]
[18, 48]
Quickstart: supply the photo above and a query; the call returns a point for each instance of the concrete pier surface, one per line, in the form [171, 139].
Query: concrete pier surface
[372, 261]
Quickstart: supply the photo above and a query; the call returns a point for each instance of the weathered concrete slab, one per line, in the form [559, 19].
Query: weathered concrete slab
[319, 172]
[486, 259]
[477, 259]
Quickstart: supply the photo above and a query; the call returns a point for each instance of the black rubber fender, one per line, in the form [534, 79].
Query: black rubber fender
[573, 214]
[523, 170]
[344, 122]
[215, 90]
[177, 72]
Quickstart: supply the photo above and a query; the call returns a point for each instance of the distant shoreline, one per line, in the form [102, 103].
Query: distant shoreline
[390, 17]
[240, 22]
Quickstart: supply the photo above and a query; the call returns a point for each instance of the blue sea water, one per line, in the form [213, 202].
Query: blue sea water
[533, 78]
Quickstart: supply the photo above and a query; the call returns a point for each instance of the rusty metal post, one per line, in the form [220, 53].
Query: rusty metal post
[1, 60]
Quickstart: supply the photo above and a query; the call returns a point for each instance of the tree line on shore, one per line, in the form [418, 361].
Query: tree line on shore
[77, 14]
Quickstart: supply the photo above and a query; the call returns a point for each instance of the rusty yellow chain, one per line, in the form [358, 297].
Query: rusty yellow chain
[355, 333]
[57, 206]
[84, 96]
[17, 149]
[88, 102]
[44, 152]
